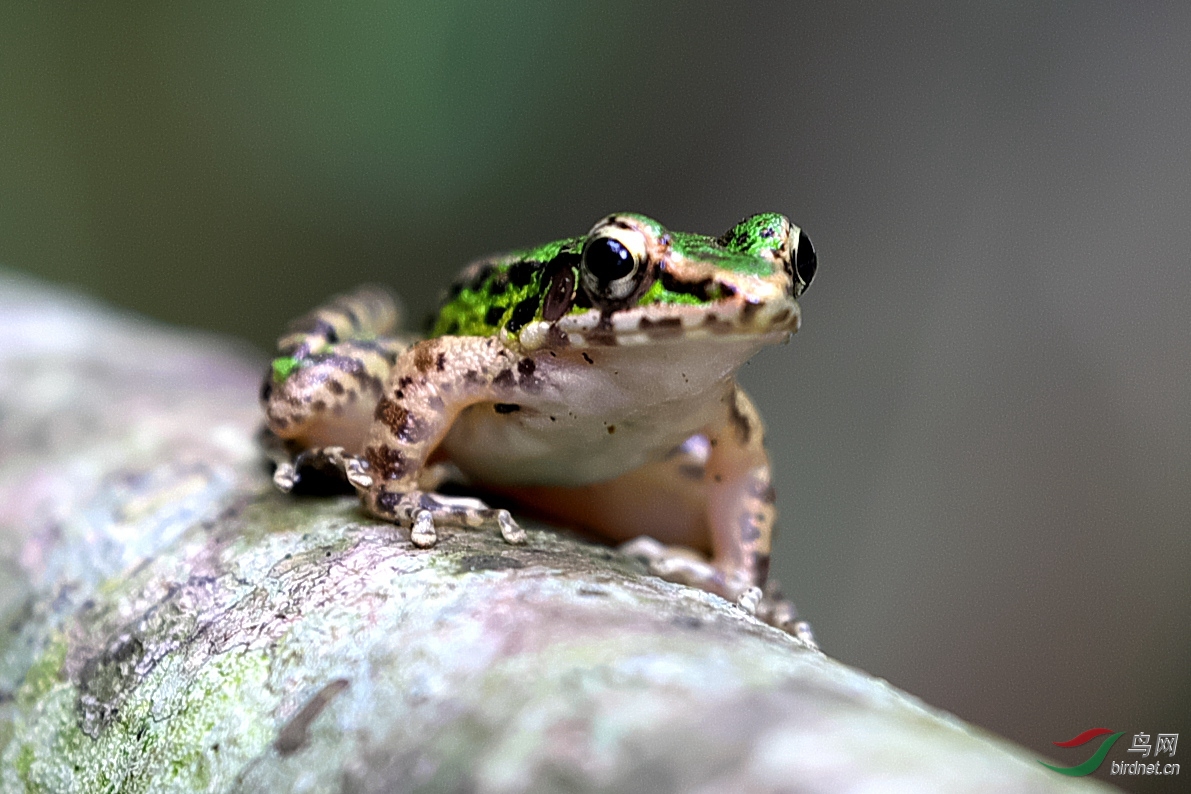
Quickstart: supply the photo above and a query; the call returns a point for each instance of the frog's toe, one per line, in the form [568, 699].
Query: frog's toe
[749, 600]
[285, 477]
[510, 530]
[423, 534]
[425, 511]
[781, 613]
[676, 564]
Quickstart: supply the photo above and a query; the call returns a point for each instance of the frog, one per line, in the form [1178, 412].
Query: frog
[589, 381]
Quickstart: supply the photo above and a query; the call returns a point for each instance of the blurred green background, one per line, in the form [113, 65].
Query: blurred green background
[982, 435]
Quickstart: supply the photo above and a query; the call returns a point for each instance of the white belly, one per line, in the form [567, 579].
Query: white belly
[594, 422]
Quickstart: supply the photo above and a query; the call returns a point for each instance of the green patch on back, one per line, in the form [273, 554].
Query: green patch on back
[483, 308]
[283, 367]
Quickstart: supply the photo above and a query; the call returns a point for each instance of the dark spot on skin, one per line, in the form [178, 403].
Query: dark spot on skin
[687, 622]
[691, 471]
[760, 568]
[440, 363]
[505, 379]
[391, 413]
[717, 324]
[488, 562]
[506, 408]
[336, 387]
[413, 430]
[387, 502]
[499, 285]
[295, 734]
[611, 429]
[423, 357]
[521, 273]
[267, 389]
[472, 376]
[748, 311]
[523, 312]
[434, 402]
[332, 336]
[718, 478]
[665, 328]
[404, 381]
[312, 324]
[740, 422]
[388, 463]
[526, 367]
[748, 529]
[587, 358]
[494, 315]
[368, 383]
[318, 406]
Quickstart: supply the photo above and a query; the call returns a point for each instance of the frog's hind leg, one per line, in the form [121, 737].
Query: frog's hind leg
[320, 394]
[367, 313]
[710, 494]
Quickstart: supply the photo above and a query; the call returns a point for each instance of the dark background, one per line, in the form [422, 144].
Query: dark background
[982, 435]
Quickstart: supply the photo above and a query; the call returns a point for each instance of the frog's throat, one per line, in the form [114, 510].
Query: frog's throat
[728, 319]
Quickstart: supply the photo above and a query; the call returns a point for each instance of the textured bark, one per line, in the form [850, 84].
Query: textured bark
[170, 623]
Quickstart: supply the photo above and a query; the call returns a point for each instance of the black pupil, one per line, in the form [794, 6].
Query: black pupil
[607, 259]
[806, 261]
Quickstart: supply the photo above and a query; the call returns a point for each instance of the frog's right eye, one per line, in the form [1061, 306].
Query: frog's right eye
[613, 264]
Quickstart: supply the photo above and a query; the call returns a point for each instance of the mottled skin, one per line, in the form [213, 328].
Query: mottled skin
[590, 380]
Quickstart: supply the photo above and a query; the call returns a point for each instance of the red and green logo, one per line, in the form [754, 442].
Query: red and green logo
[1093, 763]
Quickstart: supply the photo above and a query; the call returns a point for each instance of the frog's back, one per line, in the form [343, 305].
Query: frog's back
[500, 291]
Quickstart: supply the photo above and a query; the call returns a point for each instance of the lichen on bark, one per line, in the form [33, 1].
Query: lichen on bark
[170, 623]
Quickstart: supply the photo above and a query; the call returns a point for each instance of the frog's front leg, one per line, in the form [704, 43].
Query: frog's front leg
[739, 502]
[430, 384]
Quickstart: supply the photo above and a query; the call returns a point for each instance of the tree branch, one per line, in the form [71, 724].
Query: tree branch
[170, 623]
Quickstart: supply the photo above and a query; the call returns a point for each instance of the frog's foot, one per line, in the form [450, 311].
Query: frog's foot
[424, 512]
[685, 566]
[678, 564]
[324, 459]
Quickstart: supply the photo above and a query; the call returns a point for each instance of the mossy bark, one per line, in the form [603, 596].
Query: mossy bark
[170, 623]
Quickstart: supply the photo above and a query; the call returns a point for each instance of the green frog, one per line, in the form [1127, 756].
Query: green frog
[589, 380]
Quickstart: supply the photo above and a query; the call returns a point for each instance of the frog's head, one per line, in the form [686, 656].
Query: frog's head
[631, 281]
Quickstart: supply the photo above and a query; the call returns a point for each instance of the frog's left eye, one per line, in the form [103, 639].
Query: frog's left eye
[614, 262]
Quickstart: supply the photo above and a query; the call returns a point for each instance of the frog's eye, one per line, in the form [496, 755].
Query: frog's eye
[614, 262]
[805, 263]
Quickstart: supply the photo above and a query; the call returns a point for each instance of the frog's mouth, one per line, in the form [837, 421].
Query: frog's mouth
[730, 318]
